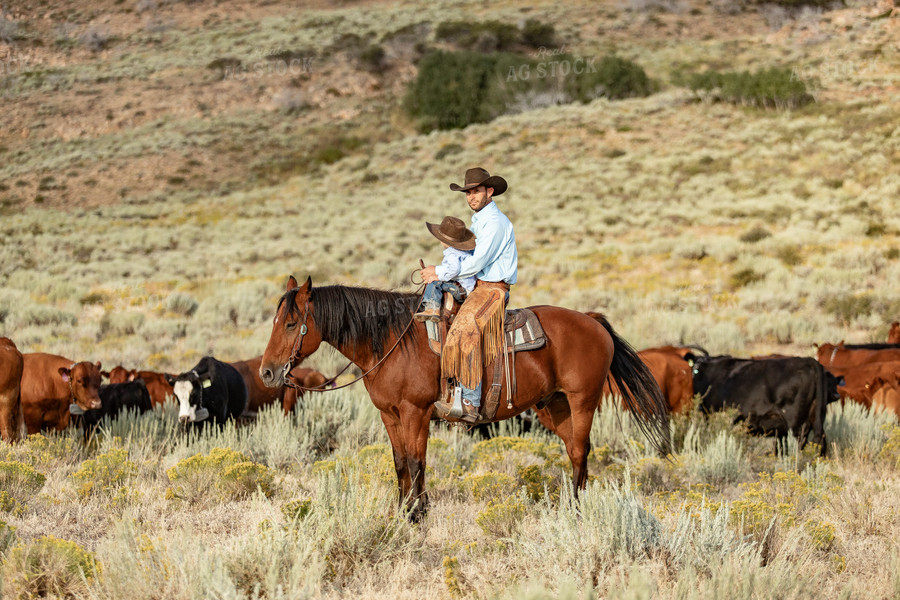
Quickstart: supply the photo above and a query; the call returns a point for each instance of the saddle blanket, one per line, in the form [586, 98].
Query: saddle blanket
[523, 332]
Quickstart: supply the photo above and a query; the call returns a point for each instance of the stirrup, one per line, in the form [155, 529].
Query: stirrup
[470, 412]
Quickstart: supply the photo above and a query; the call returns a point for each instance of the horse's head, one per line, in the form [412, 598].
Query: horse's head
[294, 334]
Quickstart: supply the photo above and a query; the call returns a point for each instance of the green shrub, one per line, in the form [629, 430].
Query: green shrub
[448, 150]
[231, 474]
[18, 482]
[456, 89]
[449, 90]
[770, 88]
[788, 254]
[847, 307]
[537, 34]
[358, 523]
[181, 304]
[489, 486]
[7, 536]
[121, 323]
[614, 78]
[44, 450]
[244, 478]
[487, 36]
[297, 510]
[103, 475]
[756, 234]
[38, 315]
[373, 59]
[720, 462]
[501, 519]
[743, 277]
[48, 567]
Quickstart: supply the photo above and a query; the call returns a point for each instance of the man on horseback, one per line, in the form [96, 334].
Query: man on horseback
[494, 263]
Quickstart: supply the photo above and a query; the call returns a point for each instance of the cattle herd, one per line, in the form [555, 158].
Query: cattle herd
[773, 394]
[777, 394]
[41, 392]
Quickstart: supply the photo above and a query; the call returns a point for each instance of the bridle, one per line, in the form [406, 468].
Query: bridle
[298, 345]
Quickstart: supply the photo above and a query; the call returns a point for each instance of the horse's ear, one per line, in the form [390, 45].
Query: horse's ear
[291, 284]
[307, 286]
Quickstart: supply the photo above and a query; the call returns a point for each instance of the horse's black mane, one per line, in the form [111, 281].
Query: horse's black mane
[345, 314]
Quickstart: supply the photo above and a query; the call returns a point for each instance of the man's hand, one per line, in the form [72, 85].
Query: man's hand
[428, 274]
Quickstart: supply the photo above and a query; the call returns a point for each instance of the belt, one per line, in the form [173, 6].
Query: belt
[492, 284]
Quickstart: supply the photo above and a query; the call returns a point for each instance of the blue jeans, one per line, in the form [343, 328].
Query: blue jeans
[434, 293]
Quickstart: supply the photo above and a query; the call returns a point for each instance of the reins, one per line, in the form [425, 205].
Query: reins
[298, 345]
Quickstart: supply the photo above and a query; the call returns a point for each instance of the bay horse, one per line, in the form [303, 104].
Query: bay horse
[567, 374]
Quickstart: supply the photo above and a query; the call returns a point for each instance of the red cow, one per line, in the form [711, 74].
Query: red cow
[120, 374]
[840, 355]
[156, 383]
[309, 378]
[886, 395]
[50, 384]
[858, 379]
[258, 395]
[894, 334]
[11, 365]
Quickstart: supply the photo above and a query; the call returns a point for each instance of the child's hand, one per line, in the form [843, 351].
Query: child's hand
[428, 274]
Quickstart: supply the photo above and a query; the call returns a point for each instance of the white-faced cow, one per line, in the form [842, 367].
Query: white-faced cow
[212, 391]
[774, 396]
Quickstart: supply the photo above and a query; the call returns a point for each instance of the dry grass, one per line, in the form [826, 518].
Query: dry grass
[643, 525]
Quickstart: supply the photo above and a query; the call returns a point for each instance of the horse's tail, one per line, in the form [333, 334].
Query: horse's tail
[639, 390]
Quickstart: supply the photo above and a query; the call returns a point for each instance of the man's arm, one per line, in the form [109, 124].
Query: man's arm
[487, 248]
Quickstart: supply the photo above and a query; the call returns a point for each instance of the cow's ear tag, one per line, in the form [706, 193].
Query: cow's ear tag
[207, 383]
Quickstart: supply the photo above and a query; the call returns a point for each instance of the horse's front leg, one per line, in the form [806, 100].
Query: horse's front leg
[391, 422]
[416, 423]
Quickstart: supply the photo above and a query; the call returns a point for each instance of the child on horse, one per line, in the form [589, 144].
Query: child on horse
[458, 242]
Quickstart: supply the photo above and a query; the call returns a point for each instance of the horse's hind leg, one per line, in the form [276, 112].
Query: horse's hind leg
[574, 427]
[395, 433]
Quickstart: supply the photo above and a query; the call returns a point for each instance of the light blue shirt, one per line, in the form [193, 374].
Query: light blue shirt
[495, 257]
[448, 270]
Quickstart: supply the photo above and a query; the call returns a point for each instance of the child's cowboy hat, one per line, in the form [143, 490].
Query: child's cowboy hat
[453, 232]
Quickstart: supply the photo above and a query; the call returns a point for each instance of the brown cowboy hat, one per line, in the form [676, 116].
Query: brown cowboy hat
[453, 232]
[477, 176]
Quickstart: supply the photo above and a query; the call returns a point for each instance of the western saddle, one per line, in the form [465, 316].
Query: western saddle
[522, 332]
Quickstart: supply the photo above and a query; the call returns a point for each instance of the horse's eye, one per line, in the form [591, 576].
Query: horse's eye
[291, 325]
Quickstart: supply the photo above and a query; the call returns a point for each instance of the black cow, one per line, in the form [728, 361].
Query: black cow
[114, 398]
[212, 390]
[774, 395]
